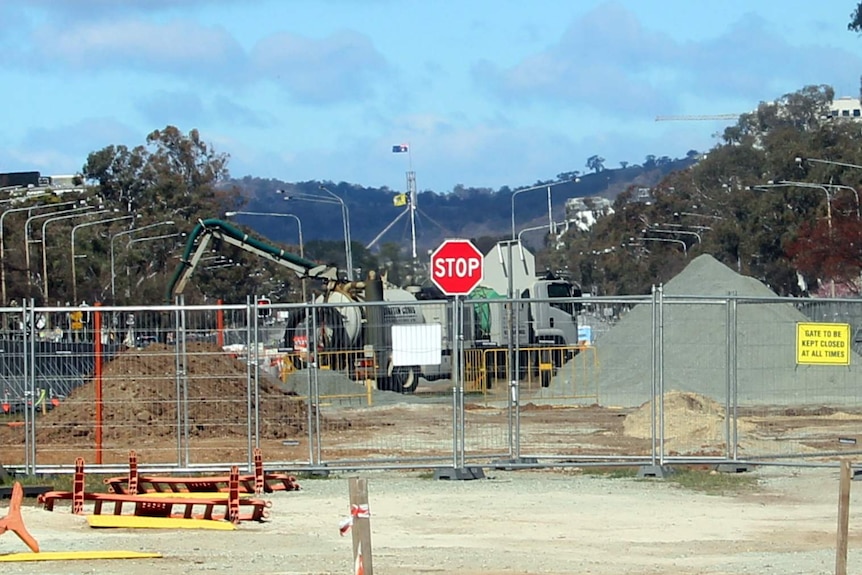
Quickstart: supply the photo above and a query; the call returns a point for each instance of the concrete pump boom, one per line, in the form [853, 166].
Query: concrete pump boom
[208, 229]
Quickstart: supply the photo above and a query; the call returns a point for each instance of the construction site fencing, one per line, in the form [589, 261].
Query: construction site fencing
[649, 380]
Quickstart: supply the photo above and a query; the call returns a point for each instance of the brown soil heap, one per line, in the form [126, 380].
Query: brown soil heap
[139, 393]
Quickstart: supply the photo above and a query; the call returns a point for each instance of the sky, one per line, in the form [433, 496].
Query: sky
[485, 93]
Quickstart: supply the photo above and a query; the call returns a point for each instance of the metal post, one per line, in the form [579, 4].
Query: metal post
[178, 364]
[27, 238]
[2, 252]
[123, 233]
[250, 333]
[345, 222]
[45, 247]
[72, 243]
[303, 281]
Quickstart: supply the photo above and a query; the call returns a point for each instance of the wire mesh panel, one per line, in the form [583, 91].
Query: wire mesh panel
[693, 391]
[281, 417]
[129, 398]
[551, 407]
[15, 393]
[799, 383]
[364, 371]
[583, 413]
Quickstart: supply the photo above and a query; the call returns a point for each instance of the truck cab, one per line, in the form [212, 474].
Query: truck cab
[553, 310]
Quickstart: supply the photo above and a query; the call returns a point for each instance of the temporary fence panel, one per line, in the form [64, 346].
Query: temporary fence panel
[581, 414]
[799, 390]
[238, 396]
[368, 400]
[16, 391]
[693, 391]
[217, 387]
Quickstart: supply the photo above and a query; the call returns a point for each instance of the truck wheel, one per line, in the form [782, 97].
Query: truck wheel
[404, 380]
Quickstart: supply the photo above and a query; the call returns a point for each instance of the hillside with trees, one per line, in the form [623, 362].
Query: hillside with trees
[776, 199]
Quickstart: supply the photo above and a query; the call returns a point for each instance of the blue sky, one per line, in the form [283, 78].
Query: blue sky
[486, 92]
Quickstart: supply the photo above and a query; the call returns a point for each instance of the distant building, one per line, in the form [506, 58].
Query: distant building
[846, 107]
[19, 179]
[583, 212]
[21, 186]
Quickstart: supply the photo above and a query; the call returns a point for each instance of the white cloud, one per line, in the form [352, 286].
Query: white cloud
[341, 67]
[607, 61]
[181, 48]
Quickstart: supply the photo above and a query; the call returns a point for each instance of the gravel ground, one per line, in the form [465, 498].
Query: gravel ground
[531, 522]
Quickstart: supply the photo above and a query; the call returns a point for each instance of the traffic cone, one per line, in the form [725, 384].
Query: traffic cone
[358, 566]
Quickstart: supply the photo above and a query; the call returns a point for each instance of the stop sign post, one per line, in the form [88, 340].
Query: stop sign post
[456, 267]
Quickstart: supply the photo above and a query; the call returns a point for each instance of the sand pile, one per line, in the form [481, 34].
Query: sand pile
[693, 423]
[695, 334]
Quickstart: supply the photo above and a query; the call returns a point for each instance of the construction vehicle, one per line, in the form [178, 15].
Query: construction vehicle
[354, 332]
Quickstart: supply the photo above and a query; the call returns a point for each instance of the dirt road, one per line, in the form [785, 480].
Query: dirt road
[530, 522]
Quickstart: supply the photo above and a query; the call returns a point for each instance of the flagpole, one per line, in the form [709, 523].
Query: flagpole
[411, 194]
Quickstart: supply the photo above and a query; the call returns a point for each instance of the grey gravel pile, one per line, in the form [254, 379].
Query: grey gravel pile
[696, 342]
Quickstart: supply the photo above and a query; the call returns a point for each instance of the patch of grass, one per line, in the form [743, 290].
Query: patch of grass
[712, 482]
[92, 482]
[611, 472]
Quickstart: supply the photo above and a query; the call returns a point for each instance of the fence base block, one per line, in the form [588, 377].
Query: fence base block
[655, 471]
[734, 468]
[515, 463]
[459, 473]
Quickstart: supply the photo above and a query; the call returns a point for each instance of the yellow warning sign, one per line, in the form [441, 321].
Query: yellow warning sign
[823, 343]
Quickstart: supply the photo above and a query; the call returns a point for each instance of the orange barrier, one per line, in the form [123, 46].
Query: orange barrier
[14, 522]
[213, 508]
[258, 483]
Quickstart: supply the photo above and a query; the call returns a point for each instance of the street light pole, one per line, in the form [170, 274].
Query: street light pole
[829, 162]
[45, 246]
[852, 189]
[2, 252]
[72, 243]
[682, 243]
[124, 233]
[784, 183]
[275, 215]
[816, 187]
[345, 219]
[513, 364]
[302, 280]
[345, 222]
[27, 236]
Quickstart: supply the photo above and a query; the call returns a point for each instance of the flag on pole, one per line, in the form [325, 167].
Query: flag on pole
[399, 200]
[399, 148]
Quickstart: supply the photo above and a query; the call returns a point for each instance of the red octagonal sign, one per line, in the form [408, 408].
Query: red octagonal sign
[456, 267]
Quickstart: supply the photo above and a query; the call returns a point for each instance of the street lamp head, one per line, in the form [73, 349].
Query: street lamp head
[798, 161]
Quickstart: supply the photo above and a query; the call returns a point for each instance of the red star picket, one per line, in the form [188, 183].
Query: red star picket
[456, 267]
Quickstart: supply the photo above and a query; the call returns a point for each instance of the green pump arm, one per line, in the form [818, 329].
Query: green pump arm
[206, 230]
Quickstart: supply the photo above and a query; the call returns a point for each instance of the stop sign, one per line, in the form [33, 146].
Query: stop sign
[456, 267]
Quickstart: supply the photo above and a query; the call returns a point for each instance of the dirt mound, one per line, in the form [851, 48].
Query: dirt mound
[139, 391]
[692, 423]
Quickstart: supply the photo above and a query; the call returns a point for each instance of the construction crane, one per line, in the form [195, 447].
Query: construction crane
[697, 117]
